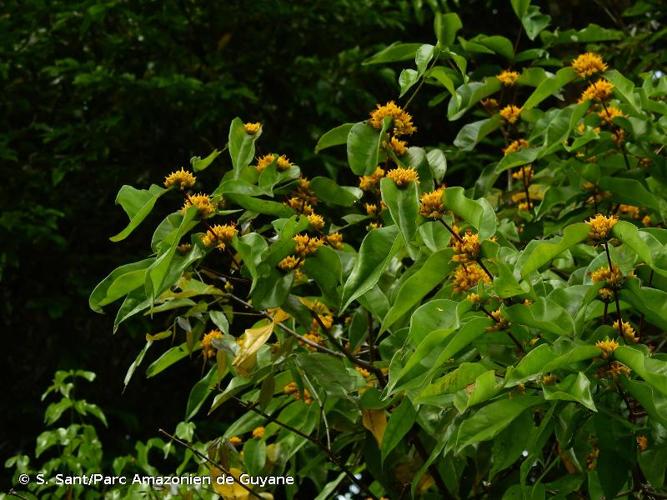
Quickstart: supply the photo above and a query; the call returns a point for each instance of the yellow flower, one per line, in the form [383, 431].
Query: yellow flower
[283, 163]
[609, 113]
[508, 78]
[600, 226]
[402, 120]
[402, 176]
[616, 368]
[474, 298]
[606, 294]
[510, 113]
[549, 379]
[607, 346]
[490, 104]
[369, 182]
[290, 389]
[646, 220]
[235, 441]
[219, 236]
[207, 346]
[524, 174]
[305, 245]
[399, 147]
[265, 161]
[431, 204]
[467, 276]
[374, 225]
[362, 371]
[258, 432]
[289, 263]
[335, 240]
[627, 331]
[515, 146]
[300, 205]
[252, 128]
[598, 91]
[630, 210]
[467, 248]
[614, 277]
[181, 178]
[642, 442]
[371, 209]
[316, 222]
[588, 64]
[205, 206]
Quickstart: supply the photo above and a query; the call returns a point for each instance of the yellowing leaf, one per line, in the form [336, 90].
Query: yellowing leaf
[250, 343]
[232, 491]
[278, 315]
[376, 422]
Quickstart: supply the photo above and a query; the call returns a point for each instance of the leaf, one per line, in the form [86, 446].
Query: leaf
[549, 87]
[446, 26]
[478, 213]
[543, 314]
[653, 371]
[653, 402]
[376, 251]
[328, 191]
[520, 7]
[220, 320]
[624, 89]
[170, 357]
[200, 393]
[537, 254]
[572, 388]
[135, 364]
[490, 420]
[438, 162]
[534, 21]
[417, 286]
[119, 283]
[401, 421]
[376, 422]
[137, 204]
[644, 244]
[456, 380]
[403, 204]
[260, 206]
[200, 164]
[651, 302]
[406, 80]
[631, 191]
[363, 147]
[471, 133]
[394, 53]
[337, 136]
[241, 146]
[252, 340]
[254, 456]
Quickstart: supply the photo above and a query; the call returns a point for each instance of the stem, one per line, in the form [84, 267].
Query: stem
[330, 455]
[618, 304]
[215, 464]
[514, 339]
[460, 240]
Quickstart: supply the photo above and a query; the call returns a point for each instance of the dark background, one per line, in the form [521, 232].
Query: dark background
[95, 95]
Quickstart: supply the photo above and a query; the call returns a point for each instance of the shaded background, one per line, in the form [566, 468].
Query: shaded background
[100, 94]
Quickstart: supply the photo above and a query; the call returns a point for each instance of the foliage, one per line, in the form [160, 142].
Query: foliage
[502, 340]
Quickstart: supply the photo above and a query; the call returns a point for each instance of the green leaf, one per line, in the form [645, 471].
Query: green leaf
[534, 21]
[653, 371]
[376, 251]
[482, 389]
[400, 423]
[440, 391]
[328, 191]
[469, 94]
[651, 302]
[442, 76]
[137, 204]
[119, 283]
[538, 254]
[520, 7]
[543, 314]
[200, 393]
[471, 133]
[135, 364]
[544, 358]
[498, 44]
[220, 320]
[490, 420]
[653, 402]
[624, 89]
[591, 33]
[337, 136]
[406, 80]
[200, 164]
[632, 192]
[254, 456]
[438, 162]
[241, 146]
[549, 87]
[394, 53]
[417, 286]
[403, 204]
[446, 26]
[363, 147]
[260, 206]
[170, 357]
[478, 213]
[643, 243]
[572, 388]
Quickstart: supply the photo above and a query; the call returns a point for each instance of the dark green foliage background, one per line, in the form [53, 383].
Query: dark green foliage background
[99, 94]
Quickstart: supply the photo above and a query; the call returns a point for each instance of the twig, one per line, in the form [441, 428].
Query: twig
[212, 462]
[618, 304]
[330, 455]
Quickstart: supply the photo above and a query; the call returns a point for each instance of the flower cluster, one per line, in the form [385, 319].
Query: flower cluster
[402, 120]
[510, 113]
[306, 245]
[508, 78]
[515, 146]
[252, 128]
[608, 114]
[431, 204]
[204, 204]
[607, 347]
[370, 182]
[467, 276]
[181, 179]
[219, 236]
[397, 146]
[524, 174]
[292, 389]
[599, 91]
[466, 248]
[626, 331]
[600, 226]
[588, 64]
[282, 162]
[403, 176]
[207, 343]
[613, 278]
